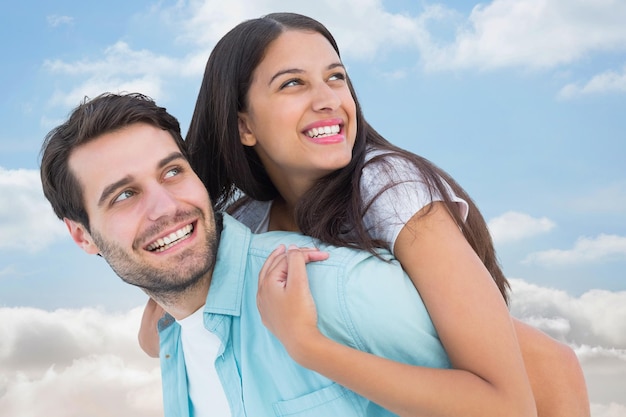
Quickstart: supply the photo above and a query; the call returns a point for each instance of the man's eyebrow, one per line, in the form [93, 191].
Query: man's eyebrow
[171, 157]
[299, 71]
[111, 188]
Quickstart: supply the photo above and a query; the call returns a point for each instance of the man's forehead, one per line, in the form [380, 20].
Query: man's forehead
[130, 144]
[126, 152]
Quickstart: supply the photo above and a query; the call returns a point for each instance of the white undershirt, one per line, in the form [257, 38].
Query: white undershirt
[200, 349]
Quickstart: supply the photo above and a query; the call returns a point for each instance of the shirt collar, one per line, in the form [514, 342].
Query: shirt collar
[226, 291]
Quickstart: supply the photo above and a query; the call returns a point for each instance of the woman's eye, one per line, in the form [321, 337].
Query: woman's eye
[124, 195]
[290, 83]
[172, 172]
[338, 76]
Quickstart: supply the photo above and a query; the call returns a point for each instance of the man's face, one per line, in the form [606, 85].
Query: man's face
[150, 215]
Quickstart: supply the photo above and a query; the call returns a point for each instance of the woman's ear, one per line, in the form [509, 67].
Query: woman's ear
[81, 236]
[246, 136]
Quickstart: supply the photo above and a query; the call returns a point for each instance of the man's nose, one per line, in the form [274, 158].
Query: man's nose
[160, 202]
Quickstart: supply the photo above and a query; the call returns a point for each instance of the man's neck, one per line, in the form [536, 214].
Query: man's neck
[186, 303]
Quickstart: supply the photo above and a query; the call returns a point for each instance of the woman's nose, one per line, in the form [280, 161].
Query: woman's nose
[325, 98]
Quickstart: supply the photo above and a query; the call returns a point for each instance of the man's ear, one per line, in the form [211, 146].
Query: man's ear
[81, 236]
[246, 136]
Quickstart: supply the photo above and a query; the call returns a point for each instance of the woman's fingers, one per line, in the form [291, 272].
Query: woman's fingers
[271, 262]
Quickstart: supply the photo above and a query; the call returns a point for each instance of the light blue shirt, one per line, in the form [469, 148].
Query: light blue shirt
[362, 302]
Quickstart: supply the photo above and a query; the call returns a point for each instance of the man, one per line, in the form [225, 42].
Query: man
[116, 172]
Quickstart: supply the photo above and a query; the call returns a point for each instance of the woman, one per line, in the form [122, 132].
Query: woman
[278, 119]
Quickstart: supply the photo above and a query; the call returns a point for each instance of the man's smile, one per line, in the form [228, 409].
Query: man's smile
[172, 239]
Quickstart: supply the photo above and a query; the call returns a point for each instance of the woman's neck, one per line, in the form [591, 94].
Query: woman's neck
[282, 216]
[290, 190]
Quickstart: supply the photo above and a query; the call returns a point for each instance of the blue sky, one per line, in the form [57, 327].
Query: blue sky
[522, 101]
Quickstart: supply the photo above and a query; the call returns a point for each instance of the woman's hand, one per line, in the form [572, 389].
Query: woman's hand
[284, 298]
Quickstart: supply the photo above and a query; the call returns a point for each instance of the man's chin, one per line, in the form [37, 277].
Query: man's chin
[163, 283]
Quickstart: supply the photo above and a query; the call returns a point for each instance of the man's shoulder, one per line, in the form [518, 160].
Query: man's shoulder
[341, 257]
[262, 244]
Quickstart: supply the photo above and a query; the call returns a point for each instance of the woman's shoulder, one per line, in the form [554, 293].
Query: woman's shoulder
[252, 213]
[383, 167]
[394, 189]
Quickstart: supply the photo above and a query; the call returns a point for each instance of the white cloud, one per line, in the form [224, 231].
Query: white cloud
[121, 69]
[594, 325]
[71, 363]
[34, 339]
[604, 373]
[149, 85]
[606, 82]
[513, 226]
[586, 352]
[608, 199]
[398, 74]
[58, 20]
[7, 271]
[533, 34]
[205, 22]
[586, 250]
[503, 33]
[608, 410]
[119, 58]
[596, 318]
[26, 218]
[96, 386]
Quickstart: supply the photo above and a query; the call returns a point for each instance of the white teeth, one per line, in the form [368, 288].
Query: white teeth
[170, 240]
[323, 131]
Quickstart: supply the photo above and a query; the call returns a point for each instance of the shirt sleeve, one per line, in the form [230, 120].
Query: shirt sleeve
[394, 206]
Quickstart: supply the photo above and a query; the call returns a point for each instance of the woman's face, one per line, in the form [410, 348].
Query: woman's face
[301, 117]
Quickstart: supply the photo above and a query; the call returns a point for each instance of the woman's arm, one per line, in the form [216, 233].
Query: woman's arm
[467, 309]
[556, 377]
[555, 374]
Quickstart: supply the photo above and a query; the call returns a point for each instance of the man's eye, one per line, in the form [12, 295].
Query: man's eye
[172, 172]
[124, 195]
